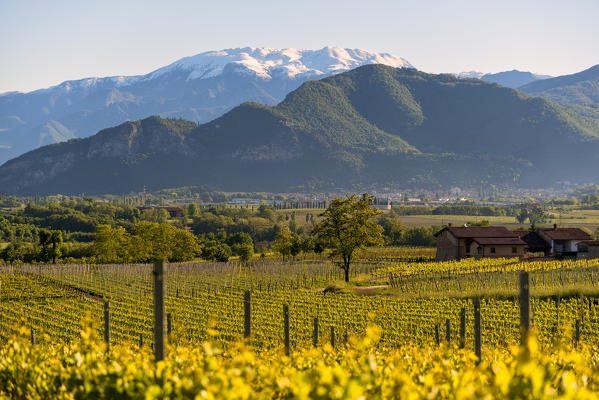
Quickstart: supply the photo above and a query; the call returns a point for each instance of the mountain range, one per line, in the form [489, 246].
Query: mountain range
[512, 79]
[198, 88]
[373, 126]
[580, 88]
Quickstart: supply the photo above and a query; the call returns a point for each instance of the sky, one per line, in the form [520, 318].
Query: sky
[47, 42]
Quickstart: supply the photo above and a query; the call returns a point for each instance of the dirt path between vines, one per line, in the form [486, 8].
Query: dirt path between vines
[361, 290]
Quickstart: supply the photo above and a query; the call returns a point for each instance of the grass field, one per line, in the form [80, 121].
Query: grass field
[579, 219]
[574, 218]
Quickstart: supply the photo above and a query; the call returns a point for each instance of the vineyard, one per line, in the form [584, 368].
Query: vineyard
[416, 335]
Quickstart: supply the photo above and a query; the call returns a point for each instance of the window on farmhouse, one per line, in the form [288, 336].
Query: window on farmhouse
[492, 250]
[514, 250]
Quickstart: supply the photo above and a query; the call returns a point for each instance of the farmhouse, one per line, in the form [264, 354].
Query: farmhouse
[588, 249]
[454, 243]
[563, 241]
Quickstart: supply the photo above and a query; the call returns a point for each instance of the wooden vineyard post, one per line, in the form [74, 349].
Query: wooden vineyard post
[169, 325]
[286, 328]
[247, 315]
[577, 332]
[581, 311]
[477, 333]
[107, 323]
[524, 307]
[462, 328]
[448, 331]
[32, 336]
[557, 301]
[437, 339]
[141, 340]
[158, 273]
[315, 333]
[332, 336]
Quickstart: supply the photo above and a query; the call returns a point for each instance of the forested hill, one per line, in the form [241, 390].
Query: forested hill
[580, 88]
[375, 126]
[198, 88]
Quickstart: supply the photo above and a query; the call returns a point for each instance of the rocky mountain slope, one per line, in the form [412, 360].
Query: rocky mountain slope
[198, 88]
[374, 126]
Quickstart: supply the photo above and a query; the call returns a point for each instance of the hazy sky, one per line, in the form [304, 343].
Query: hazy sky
[46, 42]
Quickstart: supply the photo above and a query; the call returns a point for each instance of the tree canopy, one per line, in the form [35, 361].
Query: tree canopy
[50, 242]
[347, 225]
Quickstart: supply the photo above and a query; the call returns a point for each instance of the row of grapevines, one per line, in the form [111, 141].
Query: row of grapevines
[85, 369]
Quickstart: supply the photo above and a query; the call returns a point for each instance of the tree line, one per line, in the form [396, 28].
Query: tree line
[89, 230]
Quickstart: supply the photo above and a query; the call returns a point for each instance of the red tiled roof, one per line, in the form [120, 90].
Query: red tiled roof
[566, 234]
[465, 232]
[515, 241]
[590, 242]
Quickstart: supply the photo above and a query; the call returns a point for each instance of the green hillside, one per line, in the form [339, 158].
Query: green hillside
[580, 88]
[375, 126]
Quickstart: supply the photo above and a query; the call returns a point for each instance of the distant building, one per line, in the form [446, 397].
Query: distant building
[588, 249]
[454, 243]
[245, 201]
[563, 241]
[558, 242]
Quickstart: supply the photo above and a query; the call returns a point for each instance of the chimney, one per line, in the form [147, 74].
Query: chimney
[555, 227]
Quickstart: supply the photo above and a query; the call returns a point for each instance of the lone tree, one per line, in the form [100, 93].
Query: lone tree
[522, 215]
[537, 216]
[50, 241]
[347, 226]
[283, 242]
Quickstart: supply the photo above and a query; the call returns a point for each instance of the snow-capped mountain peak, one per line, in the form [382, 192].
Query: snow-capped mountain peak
[198, 88]
[267, 63]
[469, 74]
[260, 62]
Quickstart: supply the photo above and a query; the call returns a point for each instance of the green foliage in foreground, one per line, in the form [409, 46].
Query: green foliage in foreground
[85, 369]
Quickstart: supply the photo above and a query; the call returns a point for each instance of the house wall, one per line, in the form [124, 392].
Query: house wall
[462, 250]
[500, 250]
[593, 252]
[447, 247]
[474, 250]
[564, 246]
[547, 239]
[572, 245]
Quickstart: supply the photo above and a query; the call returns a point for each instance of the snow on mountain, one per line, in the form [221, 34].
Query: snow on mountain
[198, 88]
[260, 62]
[469, 74]
[267, 62]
